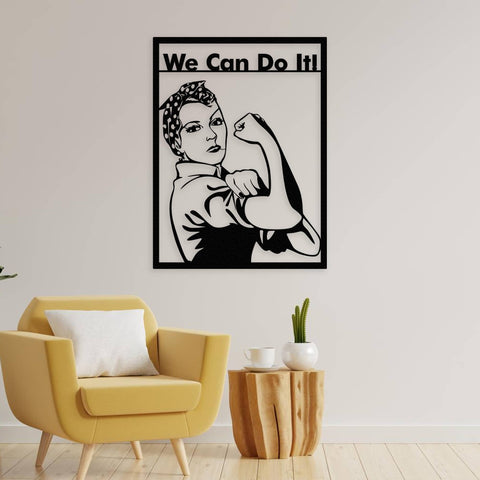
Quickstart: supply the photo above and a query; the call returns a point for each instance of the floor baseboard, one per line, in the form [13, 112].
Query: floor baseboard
[330, 434]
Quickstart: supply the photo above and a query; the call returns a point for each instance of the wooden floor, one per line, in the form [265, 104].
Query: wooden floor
[222, 462]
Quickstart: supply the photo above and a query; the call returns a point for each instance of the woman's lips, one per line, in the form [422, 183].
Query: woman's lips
[214, 149]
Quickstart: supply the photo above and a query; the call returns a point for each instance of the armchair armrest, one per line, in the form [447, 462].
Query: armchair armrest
[41, 384]
[198, 356]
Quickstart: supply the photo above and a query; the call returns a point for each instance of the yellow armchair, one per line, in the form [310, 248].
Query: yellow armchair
[44, 392]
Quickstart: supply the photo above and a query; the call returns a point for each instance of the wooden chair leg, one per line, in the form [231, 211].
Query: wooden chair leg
[86, 458]
[179, 449]
[43, 448]
[137, 449]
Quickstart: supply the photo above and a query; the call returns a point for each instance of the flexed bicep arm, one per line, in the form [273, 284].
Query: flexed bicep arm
[281, 208]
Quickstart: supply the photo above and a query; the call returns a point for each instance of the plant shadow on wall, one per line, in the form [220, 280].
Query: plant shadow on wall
[5, 277]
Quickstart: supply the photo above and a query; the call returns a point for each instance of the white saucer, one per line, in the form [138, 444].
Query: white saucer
[273, 368]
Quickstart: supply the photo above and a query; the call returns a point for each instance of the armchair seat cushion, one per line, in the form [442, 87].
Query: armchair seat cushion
[103, 396]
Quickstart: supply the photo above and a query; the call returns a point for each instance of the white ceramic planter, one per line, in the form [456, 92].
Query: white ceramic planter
[300, 356]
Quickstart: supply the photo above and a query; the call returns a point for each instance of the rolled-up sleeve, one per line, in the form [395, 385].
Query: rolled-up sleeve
[208, 200]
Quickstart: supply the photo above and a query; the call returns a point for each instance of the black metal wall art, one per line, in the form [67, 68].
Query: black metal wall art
[239, 153]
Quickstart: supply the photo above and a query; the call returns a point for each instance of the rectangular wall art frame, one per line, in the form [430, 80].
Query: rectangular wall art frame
[239, 152]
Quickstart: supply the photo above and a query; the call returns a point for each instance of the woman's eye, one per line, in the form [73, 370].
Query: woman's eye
[192, 128]
[217, 121]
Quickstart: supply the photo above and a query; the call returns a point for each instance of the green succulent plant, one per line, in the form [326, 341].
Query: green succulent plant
[298, 320]
[4, 277]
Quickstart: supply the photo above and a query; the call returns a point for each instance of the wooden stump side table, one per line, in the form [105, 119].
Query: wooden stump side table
[276, 414]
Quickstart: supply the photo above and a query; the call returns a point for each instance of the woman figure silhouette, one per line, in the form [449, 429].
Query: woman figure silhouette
[218, 216]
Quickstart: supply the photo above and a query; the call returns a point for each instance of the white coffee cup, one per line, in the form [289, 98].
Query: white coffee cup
[261, 357]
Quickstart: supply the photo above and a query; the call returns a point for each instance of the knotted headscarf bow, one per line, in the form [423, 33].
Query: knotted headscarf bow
[187, 93]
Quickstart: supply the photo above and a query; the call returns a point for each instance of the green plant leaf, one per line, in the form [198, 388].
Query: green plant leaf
[4, 277]
[306, 304]
[297, 324]
[294, 324]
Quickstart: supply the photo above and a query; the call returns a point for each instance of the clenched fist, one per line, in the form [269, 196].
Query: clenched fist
[251, 128]
[243, 183]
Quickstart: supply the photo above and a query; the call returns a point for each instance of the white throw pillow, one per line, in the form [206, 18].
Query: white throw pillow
[105, 343]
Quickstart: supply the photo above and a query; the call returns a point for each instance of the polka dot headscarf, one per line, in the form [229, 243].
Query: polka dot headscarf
[188, 93]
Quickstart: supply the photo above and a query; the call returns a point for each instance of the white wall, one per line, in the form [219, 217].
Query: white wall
[396, 314]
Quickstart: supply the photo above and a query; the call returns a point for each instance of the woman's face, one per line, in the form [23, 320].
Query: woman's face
[204, 133]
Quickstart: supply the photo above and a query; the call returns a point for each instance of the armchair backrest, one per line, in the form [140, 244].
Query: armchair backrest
[34, 319]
